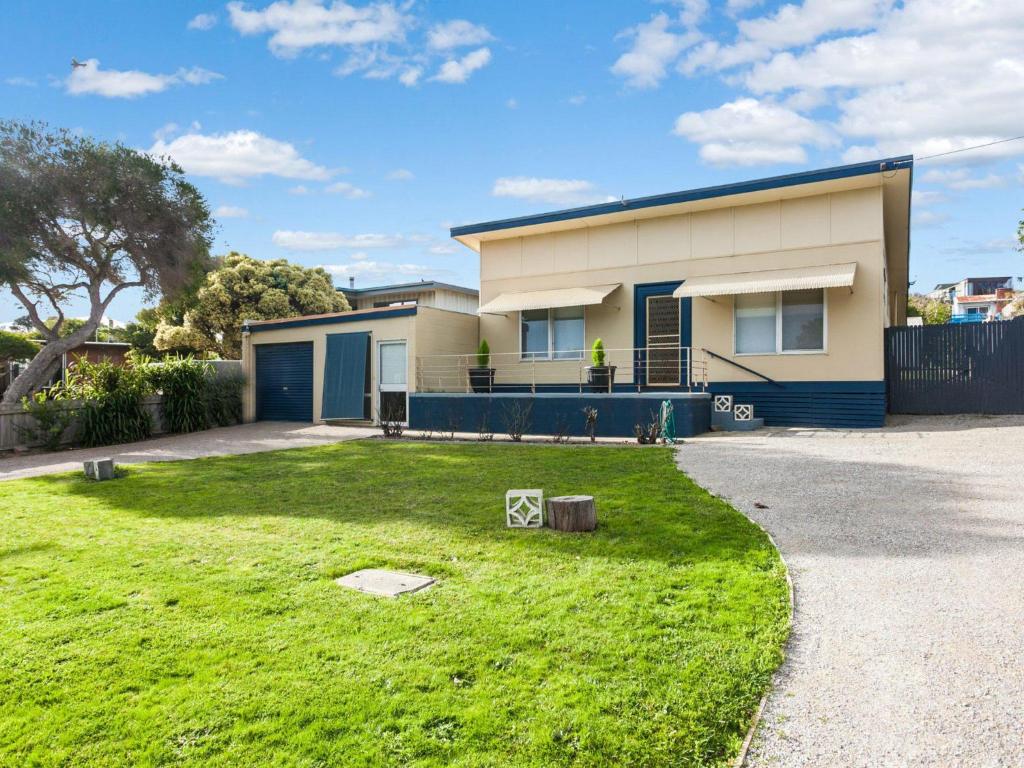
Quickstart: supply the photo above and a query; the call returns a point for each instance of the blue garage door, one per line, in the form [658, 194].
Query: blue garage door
[284, 382]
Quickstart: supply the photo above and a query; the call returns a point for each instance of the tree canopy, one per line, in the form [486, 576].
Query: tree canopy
[82, 218]
[244, 288]
[17, 346]
[934, 311]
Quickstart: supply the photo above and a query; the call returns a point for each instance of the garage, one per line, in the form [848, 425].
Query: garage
[284, 381]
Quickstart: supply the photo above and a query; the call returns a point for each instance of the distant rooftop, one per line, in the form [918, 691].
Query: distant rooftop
[420, 285]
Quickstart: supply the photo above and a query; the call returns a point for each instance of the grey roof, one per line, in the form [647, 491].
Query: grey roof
[419, 285]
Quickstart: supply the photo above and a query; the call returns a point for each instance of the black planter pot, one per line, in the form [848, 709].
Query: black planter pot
[481, 379]
[600, 378]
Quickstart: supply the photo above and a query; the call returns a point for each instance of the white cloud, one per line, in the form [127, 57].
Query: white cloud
[203, 22]
[577, 99]
[21, 82]
[332, 241]
[300, 24]
[411, 76]
[300, 189]
[512, 103]
[459, 70]
[961, 179]
[128, 84]
[457, 33]
[401, 174]
[928, 219]
[654, 47]
[231, 212]
[751, 132]
[555, 191]
[343, 188]
[239, 155]
[922, 197]
[443, 249]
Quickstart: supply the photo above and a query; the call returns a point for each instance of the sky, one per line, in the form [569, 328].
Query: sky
[352, 135]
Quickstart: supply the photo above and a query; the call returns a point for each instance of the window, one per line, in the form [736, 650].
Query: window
[551, 334]
[774, 323]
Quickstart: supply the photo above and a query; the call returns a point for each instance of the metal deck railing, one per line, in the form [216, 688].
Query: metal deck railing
[639, 368]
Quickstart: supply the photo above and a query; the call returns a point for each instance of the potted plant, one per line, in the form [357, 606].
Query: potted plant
[481, 378]
[600, 377]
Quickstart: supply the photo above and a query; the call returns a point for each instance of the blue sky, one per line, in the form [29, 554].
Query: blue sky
[353, 135]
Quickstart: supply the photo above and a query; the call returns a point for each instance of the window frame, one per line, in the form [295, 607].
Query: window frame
[525, 357]
[778, 330]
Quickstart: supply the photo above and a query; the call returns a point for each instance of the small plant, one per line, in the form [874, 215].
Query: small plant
[112, 411]
[483, 429]
[483, 354]
[590, 415]
[518, 418]
[597, 355]
[647, 434]
[51, 420]
[390, 416]
[454, 424]
[560, 433]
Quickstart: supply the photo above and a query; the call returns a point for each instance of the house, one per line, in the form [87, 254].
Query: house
[776, 291]
[940, 292]
[977, 299]
[425, 293]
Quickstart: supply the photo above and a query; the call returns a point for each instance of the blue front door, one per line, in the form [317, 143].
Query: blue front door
[661, 334]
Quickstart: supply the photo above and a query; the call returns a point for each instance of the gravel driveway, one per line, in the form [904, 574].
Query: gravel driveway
[906, 548]
[225, 441]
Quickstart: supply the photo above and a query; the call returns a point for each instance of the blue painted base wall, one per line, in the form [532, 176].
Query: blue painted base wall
[557, 412]
[851, 404]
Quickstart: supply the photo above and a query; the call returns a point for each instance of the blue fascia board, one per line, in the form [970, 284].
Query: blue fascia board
[704, 193]
[332, 320]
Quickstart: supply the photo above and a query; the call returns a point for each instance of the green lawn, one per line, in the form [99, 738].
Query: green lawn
[186, 614]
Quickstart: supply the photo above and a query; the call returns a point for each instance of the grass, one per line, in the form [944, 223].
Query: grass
[186, 614]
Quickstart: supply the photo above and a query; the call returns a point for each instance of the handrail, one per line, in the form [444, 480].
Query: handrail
[744, 368]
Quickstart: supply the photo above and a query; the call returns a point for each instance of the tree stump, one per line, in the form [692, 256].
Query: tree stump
[572, 513]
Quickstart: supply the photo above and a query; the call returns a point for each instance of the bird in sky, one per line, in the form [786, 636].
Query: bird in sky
[75, 64]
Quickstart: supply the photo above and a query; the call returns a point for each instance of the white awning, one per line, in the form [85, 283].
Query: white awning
[559, 297]
[769, 281]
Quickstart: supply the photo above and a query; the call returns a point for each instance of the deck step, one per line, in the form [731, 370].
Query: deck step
[726, 421]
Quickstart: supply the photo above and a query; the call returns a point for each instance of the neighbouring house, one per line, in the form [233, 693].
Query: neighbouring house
[980, 299]
[425, 293]
[776, 291]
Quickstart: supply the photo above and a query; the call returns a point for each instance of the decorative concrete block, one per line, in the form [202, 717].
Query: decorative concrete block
[524, 508]
[723, 403]
[744, 412]
[100, 469]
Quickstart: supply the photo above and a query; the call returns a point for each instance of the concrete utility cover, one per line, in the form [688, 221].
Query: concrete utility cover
[388, 583]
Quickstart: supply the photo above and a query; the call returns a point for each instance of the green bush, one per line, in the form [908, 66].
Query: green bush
[223, 395]
[51, 420]
[183, 382]
[597, 353]
[483, 354]
[112, 410]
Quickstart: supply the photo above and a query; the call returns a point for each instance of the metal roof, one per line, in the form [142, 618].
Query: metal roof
[420, 285]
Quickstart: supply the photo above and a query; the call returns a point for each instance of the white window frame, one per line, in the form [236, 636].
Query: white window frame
[535, 356]
[778, 330]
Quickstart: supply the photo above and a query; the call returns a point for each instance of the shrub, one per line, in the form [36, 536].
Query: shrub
[223, 394]
[483, 354]
[590, 416]
[112, 410]
[518, 418]
[597, 353]
[183, 382]
[51, 420]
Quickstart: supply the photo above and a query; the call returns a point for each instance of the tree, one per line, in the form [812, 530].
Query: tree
[934, 311]
[81, 218]
[16, 346]
[245, 288]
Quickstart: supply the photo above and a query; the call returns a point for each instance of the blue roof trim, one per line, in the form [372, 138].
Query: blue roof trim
[704, 193]
[354, 317]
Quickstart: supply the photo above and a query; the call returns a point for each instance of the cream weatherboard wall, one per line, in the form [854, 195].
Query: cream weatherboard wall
[833, 228]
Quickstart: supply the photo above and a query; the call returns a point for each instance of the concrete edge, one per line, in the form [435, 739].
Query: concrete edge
[755, 721]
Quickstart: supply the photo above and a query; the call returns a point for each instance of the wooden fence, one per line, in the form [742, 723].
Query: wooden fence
[956, 368]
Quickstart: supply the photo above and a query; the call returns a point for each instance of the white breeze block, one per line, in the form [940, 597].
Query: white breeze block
[99, 469]
[524, 508]
[723, 403]
[743, 412]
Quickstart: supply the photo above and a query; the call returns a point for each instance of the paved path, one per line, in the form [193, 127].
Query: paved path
[906, 547]
[245, 438]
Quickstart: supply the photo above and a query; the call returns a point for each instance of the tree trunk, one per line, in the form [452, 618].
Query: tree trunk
[572, 513]
[41, 368]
